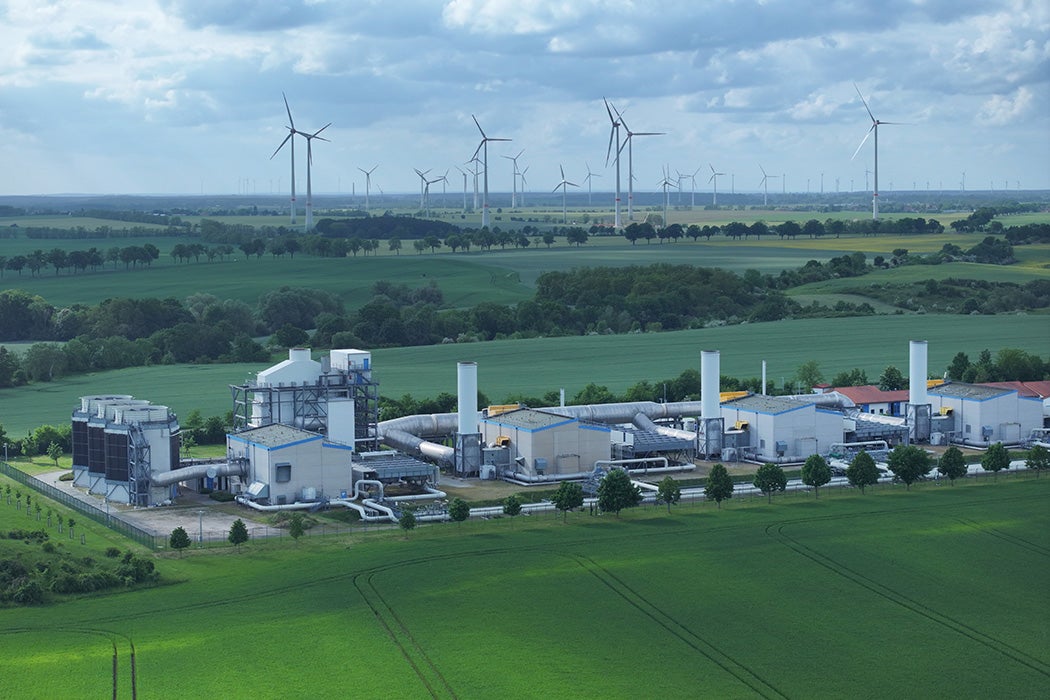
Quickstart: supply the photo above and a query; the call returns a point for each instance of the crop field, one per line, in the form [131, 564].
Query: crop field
[936, 592]
[532, 367]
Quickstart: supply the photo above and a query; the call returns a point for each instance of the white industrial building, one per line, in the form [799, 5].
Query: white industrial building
[979, 415]
[780, 429]
[546, 444]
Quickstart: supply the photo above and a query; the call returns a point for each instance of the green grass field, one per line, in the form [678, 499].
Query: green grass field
[535, 366]
[936, 592]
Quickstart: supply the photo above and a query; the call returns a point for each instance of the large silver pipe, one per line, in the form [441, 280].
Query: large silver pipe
[196, 471]
[646, 423]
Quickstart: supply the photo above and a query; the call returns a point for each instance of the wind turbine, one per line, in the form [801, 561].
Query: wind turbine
[475, 171]
[667, 182]
[563, 184]
[309, 164]
[692, 189]
[628, 141]
[485, 162]
[523, 183]
[714, 179]
[426, 193]
[765, 185]
[422, 184]
[464, 173]
[614, 135]
[289, 138]
[874, 128]
[368, 182]
[588, 181]
[514, 187]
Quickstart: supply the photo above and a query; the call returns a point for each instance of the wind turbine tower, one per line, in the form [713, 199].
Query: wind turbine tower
[667, 182]
[368, 182]
[309, 165]
[289, 138]
[484, 146]
[714, 179]
[614, 136]
[874, 128]
[765, 185]
[514, 175]
[563, 184]
[588, 181]
[629, 141]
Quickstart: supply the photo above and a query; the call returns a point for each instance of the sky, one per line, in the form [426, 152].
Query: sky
[185, 96]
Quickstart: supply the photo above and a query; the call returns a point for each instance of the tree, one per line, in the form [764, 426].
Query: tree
[668, 491]
[394, 244]
[769, 478]
[719, 485]
[407, 521]
[1038, 459]
[995, 459]
[909, 463]
[238, 533]
[809, 375]
[616, 492]
[296, 526]
[816, 473]
[862, 471]
[512, 505]
[568, 496]
[952, 464]
[54, 451]
[72, 524]
[179, 539]
[458, 510]
[891, 379]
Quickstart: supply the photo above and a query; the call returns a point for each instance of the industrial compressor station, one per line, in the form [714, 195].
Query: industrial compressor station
[307, 435]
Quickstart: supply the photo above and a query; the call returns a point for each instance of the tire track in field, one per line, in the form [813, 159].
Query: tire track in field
[424, 668]
[690, 638]
[397, 629]
[1007, 537]
[776, 531]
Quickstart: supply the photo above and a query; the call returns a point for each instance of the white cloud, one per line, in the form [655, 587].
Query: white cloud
[1000, 110]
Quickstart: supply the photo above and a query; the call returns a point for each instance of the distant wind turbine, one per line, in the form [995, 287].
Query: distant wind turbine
[484, 146]
[714, 179]
[667, 182]
[563, 184]
[874, 128]
[588, 181]
[765, 185]
[368, 182]
[523, 183]
[422, 185]
[464, 173]
[309, 166]
[514, 186]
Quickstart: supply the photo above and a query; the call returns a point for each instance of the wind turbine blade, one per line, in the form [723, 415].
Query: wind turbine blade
[320, 130]
[562, 171]
[571, 184]
[290, 134]
[479, 126]
[499, 139]
[863, 141]
[864, 101]
[608, 151]
[764, 176]
[609, 110]
[648, 133]
[289, 110]
[477, 151]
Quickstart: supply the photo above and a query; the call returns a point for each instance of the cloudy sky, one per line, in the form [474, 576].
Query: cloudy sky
[184, 96]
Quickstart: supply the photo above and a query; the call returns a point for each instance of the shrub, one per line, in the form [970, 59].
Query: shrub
[68, 476]
[221, 496]
[112, 552]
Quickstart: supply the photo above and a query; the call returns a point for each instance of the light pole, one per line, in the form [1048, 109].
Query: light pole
[5, 453]
[200, 527]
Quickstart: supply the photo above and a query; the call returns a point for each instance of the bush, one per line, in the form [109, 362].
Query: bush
[112, 552]
[68, 476]
[221, 496]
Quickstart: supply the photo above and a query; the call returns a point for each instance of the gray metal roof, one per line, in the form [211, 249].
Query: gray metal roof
[393, 465]
[976, 392]
[529, 419]
[275, 435]
[646, 441]
[765, 404]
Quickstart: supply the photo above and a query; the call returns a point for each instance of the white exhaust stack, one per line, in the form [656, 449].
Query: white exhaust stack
[709, 378]
[763, 391]
[467, 393]
[917, 373]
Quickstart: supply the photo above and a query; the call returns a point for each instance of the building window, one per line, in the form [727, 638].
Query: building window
[967, 429]
[283, 472]
[762, 444]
